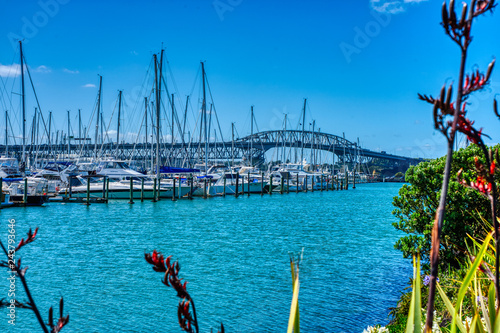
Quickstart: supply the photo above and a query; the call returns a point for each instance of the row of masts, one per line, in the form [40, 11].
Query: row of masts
[155, 161]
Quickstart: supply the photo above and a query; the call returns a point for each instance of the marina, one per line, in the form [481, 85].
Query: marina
[101, 169]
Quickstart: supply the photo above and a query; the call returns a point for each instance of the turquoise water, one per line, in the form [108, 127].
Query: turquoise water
[233, 252]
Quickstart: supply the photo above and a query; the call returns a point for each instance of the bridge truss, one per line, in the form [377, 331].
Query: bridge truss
[251, 148]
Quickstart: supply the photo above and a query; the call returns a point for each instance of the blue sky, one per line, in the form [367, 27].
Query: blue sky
[360, 64]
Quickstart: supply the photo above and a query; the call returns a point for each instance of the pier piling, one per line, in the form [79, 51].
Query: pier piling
[107, 188]
[158, 194]
[173, 189]
[154, 190]
[297, 184]
[142, 189]
[25, 192]
[224, 187]
[271, 184]
[237, 185]
[261, 183]
[192, 187]
[131, 191]
[88, 191]
[354, 178]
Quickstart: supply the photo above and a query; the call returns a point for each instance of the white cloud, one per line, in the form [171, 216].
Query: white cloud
[42, 69]
[10, 70]
[89, 85]
[69, 71]
[392, 6]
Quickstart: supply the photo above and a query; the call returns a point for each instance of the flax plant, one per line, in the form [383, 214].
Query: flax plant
[20, 272]
[186, 311]
[294, 319]
[450, 116]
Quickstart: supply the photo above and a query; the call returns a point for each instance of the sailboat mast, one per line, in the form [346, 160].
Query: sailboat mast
[23, 101]
[251, 136]
[79, 127]
[157, 116]
[343, 155]
[204, 112]
[172, 138]
[185, 116]
[303, 137]
[173, 115]
[6, 133]
[284, 143]
[146, 118]
[158, 105]
[146, 128]
[232, 144]
[152, 130]
[313, 155]
[98, 113]
[102, 129]
[33, 127]
[50, 125]
[69, 137]
[118, 127]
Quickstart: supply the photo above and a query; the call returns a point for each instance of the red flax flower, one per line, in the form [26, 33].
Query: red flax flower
[477, 80]
[62, 321]
[186, 311]
[464, 126]
[29, 239]
[184, 316]
[481, 183]
[187, 319]
[156, 259]
[482, 6]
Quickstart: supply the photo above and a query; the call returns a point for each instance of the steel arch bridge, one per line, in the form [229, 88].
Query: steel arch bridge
[252, 147]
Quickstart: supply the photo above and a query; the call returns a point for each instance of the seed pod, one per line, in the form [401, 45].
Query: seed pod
[435, 114]
[61, 307]
[444, 13]
[442, 96]
[51, 319]
[448, 96]
[464, 15]
[490, 68]
[453, 16]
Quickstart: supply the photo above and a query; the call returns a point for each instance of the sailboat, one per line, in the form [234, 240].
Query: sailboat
[27, 192]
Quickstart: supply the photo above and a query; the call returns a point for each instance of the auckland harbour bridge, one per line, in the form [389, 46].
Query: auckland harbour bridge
[250, 148]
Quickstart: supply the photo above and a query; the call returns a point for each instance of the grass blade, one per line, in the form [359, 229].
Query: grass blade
[294, 307]
[296, 325]
[468, 279]
[449, 307]
[414, 321]
[491, 304]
